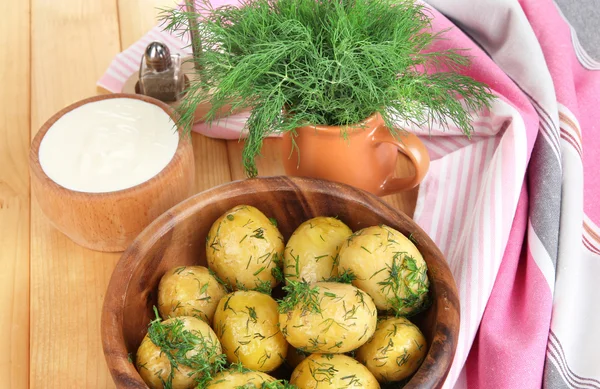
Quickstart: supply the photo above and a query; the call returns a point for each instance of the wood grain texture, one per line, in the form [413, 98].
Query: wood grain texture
[137, 17]
[268, 163]
[14, 195]
[72, 44]
[178, 238]
[212, 166]
[110, 221]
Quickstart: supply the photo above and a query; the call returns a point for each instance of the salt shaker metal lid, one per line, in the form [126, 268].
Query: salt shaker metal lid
[158, 56]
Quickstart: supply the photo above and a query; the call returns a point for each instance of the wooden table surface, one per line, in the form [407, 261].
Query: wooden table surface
[51, 290]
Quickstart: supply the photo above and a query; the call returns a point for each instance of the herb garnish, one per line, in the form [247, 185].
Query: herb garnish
[405, 286]
[276, 272]
[186, 348]
[219, 280]
[278, 384]
[300, 295]
[346, 277]
[258, 233]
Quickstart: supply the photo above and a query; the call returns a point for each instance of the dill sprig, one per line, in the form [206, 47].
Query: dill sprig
[323, 63]
[346, 277]
[300, 295]
[186, 348]
[262, 286]
[226, 285]
[406, 285]
[277, 271]
[277, 384]
[237, 367]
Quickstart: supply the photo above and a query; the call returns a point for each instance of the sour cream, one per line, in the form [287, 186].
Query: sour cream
[108, 145]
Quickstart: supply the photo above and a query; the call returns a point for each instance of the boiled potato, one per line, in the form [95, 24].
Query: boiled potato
[246, 322]
[327, 317]
[243, 247]
[395, 351]
[189, 291]
[312, 250]
[332, 371]
[239, 379]
[154, 366]
[388, 266]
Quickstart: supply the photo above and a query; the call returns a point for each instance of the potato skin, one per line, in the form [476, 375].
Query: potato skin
[232, 379]
[246, 322]
[242, 247]
[395, 351]
[150, 360]
[312, 251]
[189, 291]
[346, 320]
[372, 253]
[324, 371]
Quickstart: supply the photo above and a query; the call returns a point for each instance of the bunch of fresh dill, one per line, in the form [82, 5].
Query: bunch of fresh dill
[324, 62]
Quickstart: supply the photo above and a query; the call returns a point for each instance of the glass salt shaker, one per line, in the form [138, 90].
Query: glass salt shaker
[161, 76]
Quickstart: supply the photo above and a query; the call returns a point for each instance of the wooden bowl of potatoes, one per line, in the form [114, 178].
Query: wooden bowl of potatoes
[281, 282]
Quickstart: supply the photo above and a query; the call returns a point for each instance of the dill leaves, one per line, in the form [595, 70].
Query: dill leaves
[323, 63]
[300, 295]
[277, 384]
[406, 285]
[186, 348]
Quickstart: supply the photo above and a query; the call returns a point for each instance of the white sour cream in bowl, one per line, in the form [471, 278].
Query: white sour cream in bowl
[108, 145]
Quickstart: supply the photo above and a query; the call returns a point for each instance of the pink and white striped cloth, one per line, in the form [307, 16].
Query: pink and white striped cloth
[509, 207]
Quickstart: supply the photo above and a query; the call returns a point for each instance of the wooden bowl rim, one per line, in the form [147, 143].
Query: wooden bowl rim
[113, 341]
[38, 172]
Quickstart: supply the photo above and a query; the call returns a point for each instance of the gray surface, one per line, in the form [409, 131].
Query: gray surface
[552, 377]
[584, 16]
[545, 181]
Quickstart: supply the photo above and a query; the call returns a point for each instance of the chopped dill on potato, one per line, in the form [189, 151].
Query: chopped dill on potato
[346, 277]
[175, 342]
[278, 384]
[399, 283]
[300, 295]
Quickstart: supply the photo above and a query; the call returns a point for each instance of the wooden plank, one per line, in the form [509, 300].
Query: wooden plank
[269, 164]
[72, 44]
[212, 162]
[14, 195]
[137, 17]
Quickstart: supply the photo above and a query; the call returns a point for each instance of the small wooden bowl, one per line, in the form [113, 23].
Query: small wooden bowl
[110, 221]
[177, 238]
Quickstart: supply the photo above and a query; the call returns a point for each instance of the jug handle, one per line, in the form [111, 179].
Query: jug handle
[411, 146]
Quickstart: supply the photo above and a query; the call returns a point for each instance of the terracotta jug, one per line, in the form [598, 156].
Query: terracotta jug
[366, 159]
